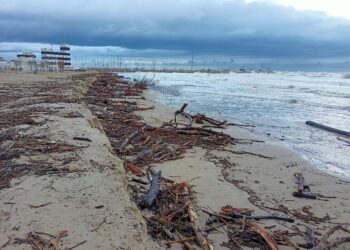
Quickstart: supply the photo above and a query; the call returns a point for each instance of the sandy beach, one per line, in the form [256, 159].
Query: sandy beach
[54, 181]
[251, 181]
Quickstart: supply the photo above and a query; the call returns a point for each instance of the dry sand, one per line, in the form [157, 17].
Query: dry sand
[72, 198]
[219, 178]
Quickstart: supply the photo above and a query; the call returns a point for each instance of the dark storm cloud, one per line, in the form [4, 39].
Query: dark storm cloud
[203, 26]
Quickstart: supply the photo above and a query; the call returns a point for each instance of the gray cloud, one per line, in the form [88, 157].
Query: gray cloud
[203, 26]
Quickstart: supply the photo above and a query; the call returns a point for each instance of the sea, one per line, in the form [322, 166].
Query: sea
[278, 104]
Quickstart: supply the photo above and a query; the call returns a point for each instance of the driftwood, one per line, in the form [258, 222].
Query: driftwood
[305, 195]
[265, 235]
[182, 112]
[233, 216]
[127, 140]
[268, 217]
[55, 241]
[239, 152]
[303, 188]
[140, 108]
[78, 244]
[38, 242]
[203, 241]
[153, 191]
[199, 118]
[182, 109]
[135, 169]
[137, 180]
[327, 244]
[139, 156]
[202, 131]
[176, 237]
[228, 218]
[174, 216]
[181, 239]
[82, 139]
[160, 156]
[330, 129]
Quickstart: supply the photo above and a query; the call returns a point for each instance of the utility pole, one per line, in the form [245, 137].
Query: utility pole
[192, 61]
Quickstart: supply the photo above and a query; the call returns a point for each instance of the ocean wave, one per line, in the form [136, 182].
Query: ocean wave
[325, 93]
[269, 100]
[169, 90]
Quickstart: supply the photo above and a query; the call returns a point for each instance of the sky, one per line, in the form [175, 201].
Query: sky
[272, 29]
[336, 8]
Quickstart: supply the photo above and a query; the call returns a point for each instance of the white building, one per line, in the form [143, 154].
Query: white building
[53, 58]
[26, 61]
[4, 65]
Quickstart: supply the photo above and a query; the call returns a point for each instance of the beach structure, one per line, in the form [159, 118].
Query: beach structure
[26, 56]
[56, 60]
[4, 65]
[26, 61]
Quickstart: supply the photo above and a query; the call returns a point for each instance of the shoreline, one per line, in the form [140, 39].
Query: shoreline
[255, 187]
[84, 202]
[287, 120]
[251, 133]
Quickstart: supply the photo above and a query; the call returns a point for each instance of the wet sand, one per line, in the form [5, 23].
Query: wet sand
[94, 205]
[252, 181]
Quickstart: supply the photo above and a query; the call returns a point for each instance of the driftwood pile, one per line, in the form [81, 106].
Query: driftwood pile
[112, 100]
[242, 231]
[173, 218]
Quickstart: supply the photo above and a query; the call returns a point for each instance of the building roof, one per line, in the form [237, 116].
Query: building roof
[26, 54]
